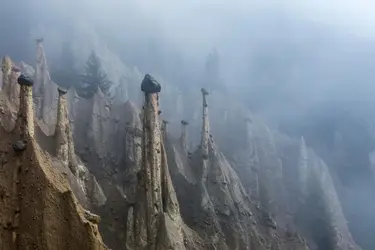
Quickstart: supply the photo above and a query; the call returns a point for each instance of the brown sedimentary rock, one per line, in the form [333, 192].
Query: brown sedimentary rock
[151, 203]
[6, 68]
[38, 87]
[61, 136]
[157, 221]
[25, 118]
[10, 74]
[38, 210]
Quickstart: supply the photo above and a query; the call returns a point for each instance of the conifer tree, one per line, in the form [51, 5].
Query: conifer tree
[93, 79]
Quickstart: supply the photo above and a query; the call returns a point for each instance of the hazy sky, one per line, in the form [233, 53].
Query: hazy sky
[357, 15]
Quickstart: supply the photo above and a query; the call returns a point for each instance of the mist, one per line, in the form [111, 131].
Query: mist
[306, 67]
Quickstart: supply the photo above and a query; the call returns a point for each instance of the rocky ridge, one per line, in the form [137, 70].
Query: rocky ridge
[39, 210]
[253, 195]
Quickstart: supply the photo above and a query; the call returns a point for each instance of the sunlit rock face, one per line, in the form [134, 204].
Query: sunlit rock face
[83, 183]
[36, 197]
[10, 93]
[10, 73]
[54, 134]
[157, 221]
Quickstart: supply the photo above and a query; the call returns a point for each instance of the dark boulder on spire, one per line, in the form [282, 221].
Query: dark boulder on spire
[25, 80]
[62, 91]
[204, 91]
[150, 85]
[183, 122]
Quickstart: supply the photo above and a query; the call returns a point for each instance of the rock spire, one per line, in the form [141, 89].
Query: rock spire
[45, 91]
[205, 126]
[184, 135]
[156, 210]
[25, 118]
[63, 134]
[61, 137]
[10, 74]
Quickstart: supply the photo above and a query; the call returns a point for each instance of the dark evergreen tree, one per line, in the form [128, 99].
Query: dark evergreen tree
[93, 79]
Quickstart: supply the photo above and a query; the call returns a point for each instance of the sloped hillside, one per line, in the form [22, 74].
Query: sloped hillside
[244, 186]
[38, 207]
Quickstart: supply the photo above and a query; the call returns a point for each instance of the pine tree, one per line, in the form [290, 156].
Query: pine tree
[93, 79]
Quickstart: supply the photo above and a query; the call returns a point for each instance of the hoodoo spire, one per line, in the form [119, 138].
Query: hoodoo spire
[205, 126]
[6, 68]
[156, 200]
[10, 76]
[63, 134]
[151, 202]
[39, 81]
[184, 135]
[61, 137]
[45, 92]
[25, 118]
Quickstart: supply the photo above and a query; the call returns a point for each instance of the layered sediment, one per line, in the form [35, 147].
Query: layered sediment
[37, 206]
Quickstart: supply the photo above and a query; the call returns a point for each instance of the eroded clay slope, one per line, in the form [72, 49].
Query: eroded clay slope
[38, 208]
